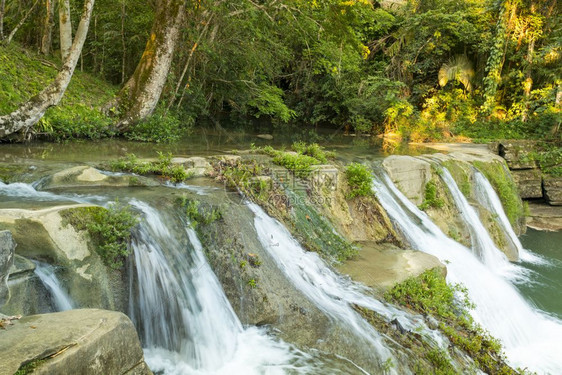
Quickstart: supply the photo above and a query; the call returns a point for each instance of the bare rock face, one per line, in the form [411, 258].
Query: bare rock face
[409, 174]
[87, 341]
[553, 190]
[544, 217]
[529, 182]
[44, 235]
[382, 266]
[7, 247]
[516, 153]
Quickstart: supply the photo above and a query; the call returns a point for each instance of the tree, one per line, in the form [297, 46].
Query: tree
[140, 95]
[65, 28]
[29, 113]
[22, 21]
[46, 38]
[2, 9]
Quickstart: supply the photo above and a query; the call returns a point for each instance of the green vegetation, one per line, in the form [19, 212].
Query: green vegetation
[314, 231]
[314, 150]
[426, 70]
[30, 367]
[198, 214]
[109, 228]
[460, 175]
[163, 167]
[252, 283]
[429, 294]
[431, 197]
[506, 189]
[300, 165]
[301, 160]
[25, 73]
[549, 158]
[162, 127]
[359, 179]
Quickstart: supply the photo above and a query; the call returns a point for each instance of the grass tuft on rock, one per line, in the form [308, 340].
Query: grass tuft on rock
[110, 229]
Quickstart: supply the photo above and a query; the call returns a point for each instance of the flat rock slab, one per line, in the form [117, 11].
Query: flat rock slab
[87, 341]
[529, 182]
[544, 217]
[553, 190]
[381, 266]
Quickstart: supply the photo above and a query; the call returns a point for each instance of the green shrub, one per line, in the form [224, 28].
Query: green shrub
[359, 179]
[314, 150]
[162, 166]
[160, 127]
[197, 214]
[429, 294]
[300, 165]
[430, 198]
[110, 229]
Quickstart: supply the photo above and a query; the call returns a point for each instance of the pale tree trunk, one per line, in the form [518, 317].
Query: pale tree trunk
[33, 110]
[123, 44]
[528, 83]
[46, 38]
[65, 28]
[2, 7]
[140, 95]
[22, 21]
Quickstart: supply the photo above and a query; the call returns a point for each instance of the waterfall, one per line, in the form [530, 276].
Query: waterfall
[488, 198]
[482, 244]
[46, 274]
[332, 293]
[530, 338]
[184, 319]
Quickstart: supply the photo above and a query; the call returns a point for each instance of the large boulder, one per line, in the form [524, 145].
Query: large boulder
[409, 174]
[529, 182]
[553, 190]
[44, 235]
[72, 342]
[7, 247]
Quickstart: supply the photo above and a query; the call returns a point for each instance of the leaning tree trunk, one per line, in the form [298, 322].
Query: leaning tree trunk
[65, 28]
[2, 7]
[31, 112]
[140, 95]
[47, 37]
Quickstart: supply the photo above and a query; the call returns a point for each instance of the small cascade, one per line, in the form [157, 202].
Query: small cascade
[482, 244]
[530, 338]
[332, 293]
[60, 297]
[21, 191]
[488, 198]
[184, 319]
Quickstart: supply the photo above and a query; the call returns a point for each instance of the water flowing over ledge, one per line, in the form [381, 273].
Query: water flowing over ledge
[530, 337]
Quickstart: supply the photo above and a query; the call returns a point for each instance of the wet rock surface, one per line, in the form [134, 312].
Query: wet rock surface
[88, 341]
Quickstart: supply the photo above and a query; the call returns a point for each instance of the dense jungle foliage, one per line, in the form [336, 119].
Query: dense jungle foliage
[426, 69]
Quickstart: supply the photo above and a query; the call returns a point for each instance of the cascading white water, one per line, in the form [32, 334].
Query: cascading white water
[22, 190]
[488, 198]
[530, 338]
[184, 318]
[46, 274]
[330, 292]
[482, 244]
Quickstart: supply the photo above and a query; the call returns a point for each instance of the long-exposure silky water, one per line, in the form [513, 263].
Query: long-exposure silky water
[531, 339]
[184, 319]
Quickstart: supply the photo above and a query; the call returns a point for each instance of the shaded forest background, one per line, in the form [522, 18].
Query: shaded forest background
[425, 69]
